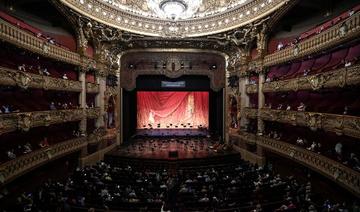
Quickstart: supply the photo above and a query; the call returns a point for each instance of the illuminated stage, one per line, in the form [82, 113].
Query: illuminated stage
[172, 132]
[171, 149]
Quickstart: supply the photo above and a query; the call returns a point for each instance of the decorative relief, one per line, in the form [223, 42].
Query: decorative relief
[23, 39]
[25, 121]
[14, 168]
[172, 63]
[151, 26]
[97, 136]
[92, 88]
[329, 38]
[338, 78]
[340, 124]
[25, 80]
[334, 170]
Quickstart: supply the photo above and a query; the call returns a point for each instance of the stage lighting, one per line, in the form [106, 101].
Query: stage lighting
[132, 66]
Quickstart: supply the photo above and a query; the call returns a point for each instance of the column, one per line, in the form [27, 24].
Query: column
[261, 103]
[82, 100]
[100, 99]
[244, 100]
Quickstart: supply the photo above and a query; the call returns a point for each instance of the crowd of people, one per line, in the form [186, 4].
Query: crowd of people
[234, 186]
[349, 158]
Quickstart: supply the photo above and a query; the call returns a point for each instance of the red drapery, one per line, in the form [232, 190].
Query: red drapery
[171, 109]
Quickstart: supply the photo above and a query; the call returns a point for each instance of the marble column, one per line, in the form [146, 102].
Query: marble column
[244, 100]
[261, 102]
[100, 100]
[82, 100]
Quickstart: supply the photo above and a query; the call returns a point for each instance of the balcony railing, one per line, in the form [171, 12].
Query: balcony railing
[23, 39]
[252, 88]
[26, 120]
[324, 40]
[250, 113]
[23, 164]
[338, 78]
[92, 88]
[92, 113]
[11, 77]
[340, 124]
[334, 170]
[19, 166]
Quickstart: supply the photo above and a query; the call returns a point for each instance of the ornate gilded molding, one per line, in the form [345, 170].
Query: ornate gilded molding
[93, 113]
[252, 88]
[97, 136]
[26, 40]
[92, 88]
[19, 166]
[251, 113]
[23, 39]
[340, 124]
[338, 78]
[11, 77]
[334, 170]
[172, 63]
[342, 175]
[320, 42]
[107, 14]
[24, 121]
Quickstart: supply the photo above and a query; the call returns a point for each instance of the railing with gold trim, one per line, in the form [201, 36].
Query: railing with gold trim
[11, 77]
[97, 136]
[340, 124]
[252, 88]
[92, 88]
[19, 166]
[23, 39]
[338, 78]
[24, 121]
[250, 112]
[92, 113]
[344, 176]
[329, 38]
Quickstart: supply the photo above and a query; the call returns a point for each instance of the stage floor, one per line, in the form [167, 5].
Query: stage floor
[174, 148]
[172, 132]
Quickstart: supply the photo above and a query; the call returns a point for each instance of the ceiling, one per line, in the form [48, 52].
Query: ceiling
[210, 17]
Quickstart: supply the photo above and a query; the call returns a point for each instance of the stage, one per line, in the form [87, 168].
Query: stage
[171, 148]
[158, 132]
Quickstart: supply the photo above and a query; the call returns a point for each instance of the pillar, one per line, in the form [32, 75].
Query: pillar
[82, 100]
[100, 99]
[244, 100]
[261, 102]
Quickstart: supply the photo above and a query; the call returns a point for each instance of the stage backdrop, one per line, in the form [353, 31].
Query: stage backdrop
[171, 109]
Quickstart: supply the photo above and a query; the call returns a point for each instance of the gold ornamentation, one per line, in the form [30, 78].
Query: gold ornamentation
[22, 79]
[24, 121]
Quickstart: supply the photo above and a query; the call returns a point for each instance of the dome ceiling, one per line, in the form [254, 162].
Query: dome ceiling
[175, 18]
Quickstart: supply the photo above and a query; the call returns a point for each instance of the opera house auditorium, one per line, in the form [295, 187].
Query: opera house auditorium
[179, 105]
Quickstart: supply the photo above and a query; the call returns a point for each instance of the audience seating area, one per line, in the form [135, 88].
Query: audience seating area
[286, 42]
[233, 185]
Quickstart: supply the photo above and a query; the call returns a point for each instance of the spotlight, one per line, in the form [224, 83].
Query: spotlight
[131, 66]
[213, 67]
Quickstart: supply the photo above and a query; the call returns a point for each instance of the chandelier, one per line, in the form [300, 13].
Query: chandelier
[174, 9]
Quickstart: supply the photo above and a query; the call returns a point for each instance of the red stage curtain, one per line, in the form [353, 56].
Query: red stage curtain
[176, 108]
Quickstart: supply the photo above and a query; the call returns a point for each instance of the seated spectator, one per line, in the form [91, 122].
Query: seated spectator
[27, 148]
[301, 107]
[22, 68]
[6, 109]
[52, 106]
[288, 107]
[280, 46]
[11, 155]
[44, 143]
